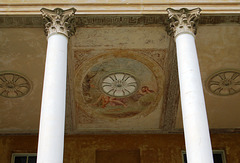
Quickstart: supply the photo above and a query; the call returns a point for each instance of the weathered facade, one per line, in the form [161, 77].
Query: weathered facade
[122, 86]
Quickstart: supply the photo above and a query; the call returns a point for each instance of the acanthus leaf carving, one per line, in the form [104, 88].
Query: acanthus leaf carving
[183, 21]
[59, 21]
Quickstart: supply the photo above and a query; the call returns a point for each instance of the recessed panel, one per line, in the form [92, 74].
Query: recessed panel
[118, 90]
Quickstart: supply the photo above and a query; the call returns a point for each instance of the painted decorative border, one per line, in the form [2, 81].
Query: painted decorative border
[110, 20]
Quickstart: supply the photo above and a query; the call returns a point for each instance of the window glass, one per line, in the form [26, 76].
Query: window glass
[218, 156]
[24, 158]
[32, 159]
[20, 159]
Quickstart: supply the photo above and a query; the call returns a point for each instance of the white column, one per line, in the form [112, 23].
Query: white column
[196, 130]
[52, 121]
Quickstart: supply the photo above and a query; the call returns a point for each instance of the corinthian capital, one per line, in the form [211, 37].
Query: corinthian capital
[183, 21]
[59, 21]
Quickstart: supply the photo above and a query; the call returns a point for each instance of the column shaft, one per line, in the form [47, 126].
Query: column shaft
[183, 26]
[195, 122]
[52, 121]
[59, 25]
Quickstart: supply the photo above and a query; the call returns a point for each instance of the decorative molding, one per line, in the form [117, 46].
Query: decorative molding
[59, 21]
[125, 20]
[213, 20]
[183, 21]
[13, 85]
[21, 21]
[120, 7]
[111, 20]
[224, 83]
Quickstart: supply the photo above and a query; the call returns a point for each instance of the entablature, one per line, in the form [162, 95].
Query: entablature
[18, 7]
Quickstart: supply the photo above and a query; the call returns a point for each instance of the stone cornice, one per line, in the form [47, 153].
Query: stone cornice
[211, 7]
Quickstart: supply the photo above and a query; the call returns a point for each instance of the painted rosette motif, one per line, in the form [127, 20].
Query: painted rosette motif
[119, 87]
[13, 85]
[119, 84]
[224, 83]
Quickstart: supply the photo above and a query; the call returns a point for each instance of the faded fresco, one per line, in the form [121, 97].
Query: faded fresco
[119, 88]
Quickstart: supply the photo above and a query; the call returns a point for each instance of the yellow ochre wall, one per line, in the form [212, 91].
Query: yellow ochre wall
[153, 148]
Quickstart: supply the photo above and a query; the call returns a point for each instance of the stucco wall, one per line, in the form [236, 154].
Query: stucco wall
[153, 148]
